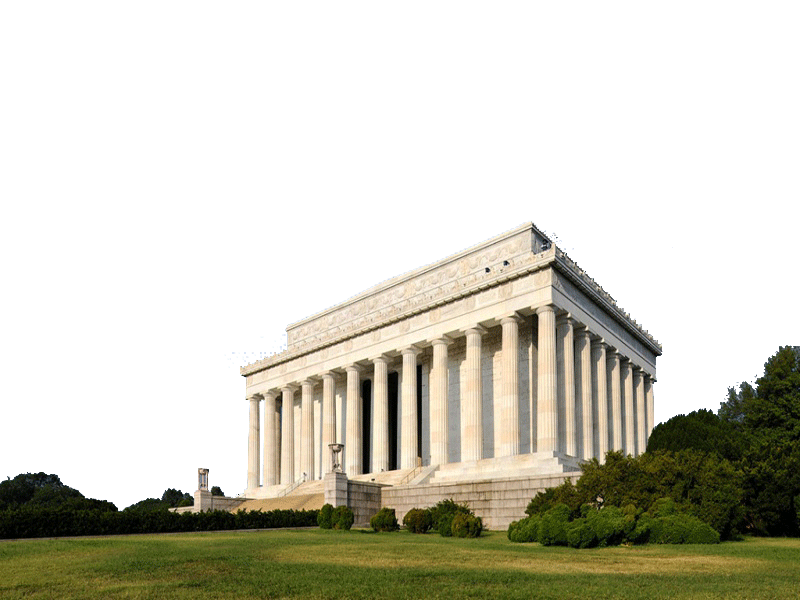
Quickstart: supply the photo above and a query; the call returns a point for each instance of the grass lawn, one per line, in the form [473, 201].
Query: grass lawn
[359, 564]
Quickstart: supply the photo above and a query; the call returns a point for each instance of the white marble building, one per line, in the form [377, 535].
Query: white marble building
[504, 360]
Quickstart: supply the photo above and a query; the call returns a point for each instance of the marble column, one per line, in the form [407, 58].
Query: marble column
[307, 429]
[600, 397]
[408, 409]
[287, 434]
[353, 448]
[438, 401]
[253, 440]
[270, 440]
[328, 419]
[565, 369]
[649, 381]
[627, 386]
[380, 415]
[615, 393]
[472, 398]
[506, 427]
[641, 424]
[583, 391]
[547, 414]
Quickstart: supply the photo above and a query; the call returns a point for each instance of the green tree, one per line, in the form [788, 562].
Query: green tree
[700, 430]
[774, 412]
[216, 491]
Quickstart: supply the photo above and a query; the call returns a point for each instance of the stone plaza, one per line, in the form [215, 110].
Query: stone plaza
[484, 377]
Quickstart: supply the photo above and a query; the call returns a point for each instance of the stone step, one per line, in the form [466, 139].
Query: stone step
[291, 502]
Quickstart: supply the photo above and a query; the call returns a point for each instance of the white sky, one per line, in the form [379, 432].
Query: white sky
[181, 180]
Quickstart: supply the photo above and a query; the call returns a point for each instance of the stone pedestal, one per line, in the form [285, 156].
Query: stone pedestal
[335, 489]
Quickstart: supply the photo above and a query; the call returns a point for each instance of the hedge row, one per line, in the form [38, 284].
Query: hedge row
[31, 523]
[611, 526]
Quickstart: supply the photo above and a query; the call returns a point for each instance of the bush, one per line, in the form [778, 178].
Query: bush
[553, 527]
[581, 535]
[610, 525]
[418, 521]
[384, 520]
[325, 517]
[442, 515]
[682, 529]
[342, 518]
[526, 530]
[466, 525]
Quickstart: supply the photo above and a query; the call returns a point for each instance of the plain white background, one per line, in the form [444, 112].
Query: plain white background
[181, 180]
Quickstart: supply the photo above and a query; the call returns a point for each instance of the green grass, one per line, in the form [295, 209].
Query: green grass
[357, 564]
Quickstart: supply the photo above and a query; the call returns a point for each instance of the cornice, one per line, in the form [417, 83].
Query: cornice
[446, 290]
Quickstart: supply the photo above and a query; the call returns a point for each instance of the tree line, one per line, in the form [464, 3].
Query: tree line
[40, 505]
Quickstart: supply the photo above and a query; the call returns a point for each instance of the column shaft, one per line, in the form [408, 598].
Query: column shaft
[565, 357]
[270, 441]
[307, 429]
[650, 405]
[630, 433]
[353, 449]
[547, 415]
[438, 402]
[253, 440]
[600, 397]
[583, 391]
[408, 403]
[287, 435]
[380, 415]
[328, 420]
[616, 399]
[506, 427]
[472, 399]
[641, 424]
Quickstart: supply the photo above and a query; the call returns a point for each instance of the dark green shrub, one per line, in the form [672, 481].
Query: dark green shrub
[442, 515]
[610, 525]
[325, 517]
[418, 521]
[466, 525]
[682, 529]
[641, 532]
[581, 535]
[553, 527]
[384, 520]
[526, 530]
[342, 518]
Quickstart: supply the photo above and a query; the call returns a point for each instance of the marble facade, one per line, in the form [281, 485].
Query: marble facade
[504, 358]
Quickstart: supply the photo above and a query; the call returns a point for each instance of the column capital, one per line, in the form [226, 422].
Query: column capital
[309, 381]
[564, 318]
[514, 317]
[353, 367]
[547, 308]
[254, 397]
[381, 358]
[598, 341]
[290, 388]
[412, 349]
[444, 339]
[271, 393]
[477, 328]
[329, 375]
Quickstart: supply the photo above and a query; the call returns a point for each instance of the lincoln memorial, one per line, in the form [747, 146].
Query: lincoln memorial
[487, 376]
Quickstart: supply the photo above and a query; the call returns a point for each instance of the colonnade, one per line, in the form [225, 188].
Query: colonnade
[587, 399]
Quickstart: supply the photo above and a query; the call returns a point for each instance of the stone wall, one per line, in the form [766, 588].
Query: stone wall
[497, 501]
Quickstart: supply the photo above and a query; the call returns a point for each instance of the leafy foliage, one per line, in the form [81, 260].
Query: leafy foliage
[466, 526]
[384, 520]
[343, 518]
[325, 517]
[418, 520]
[216, 491]
[46, 491]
